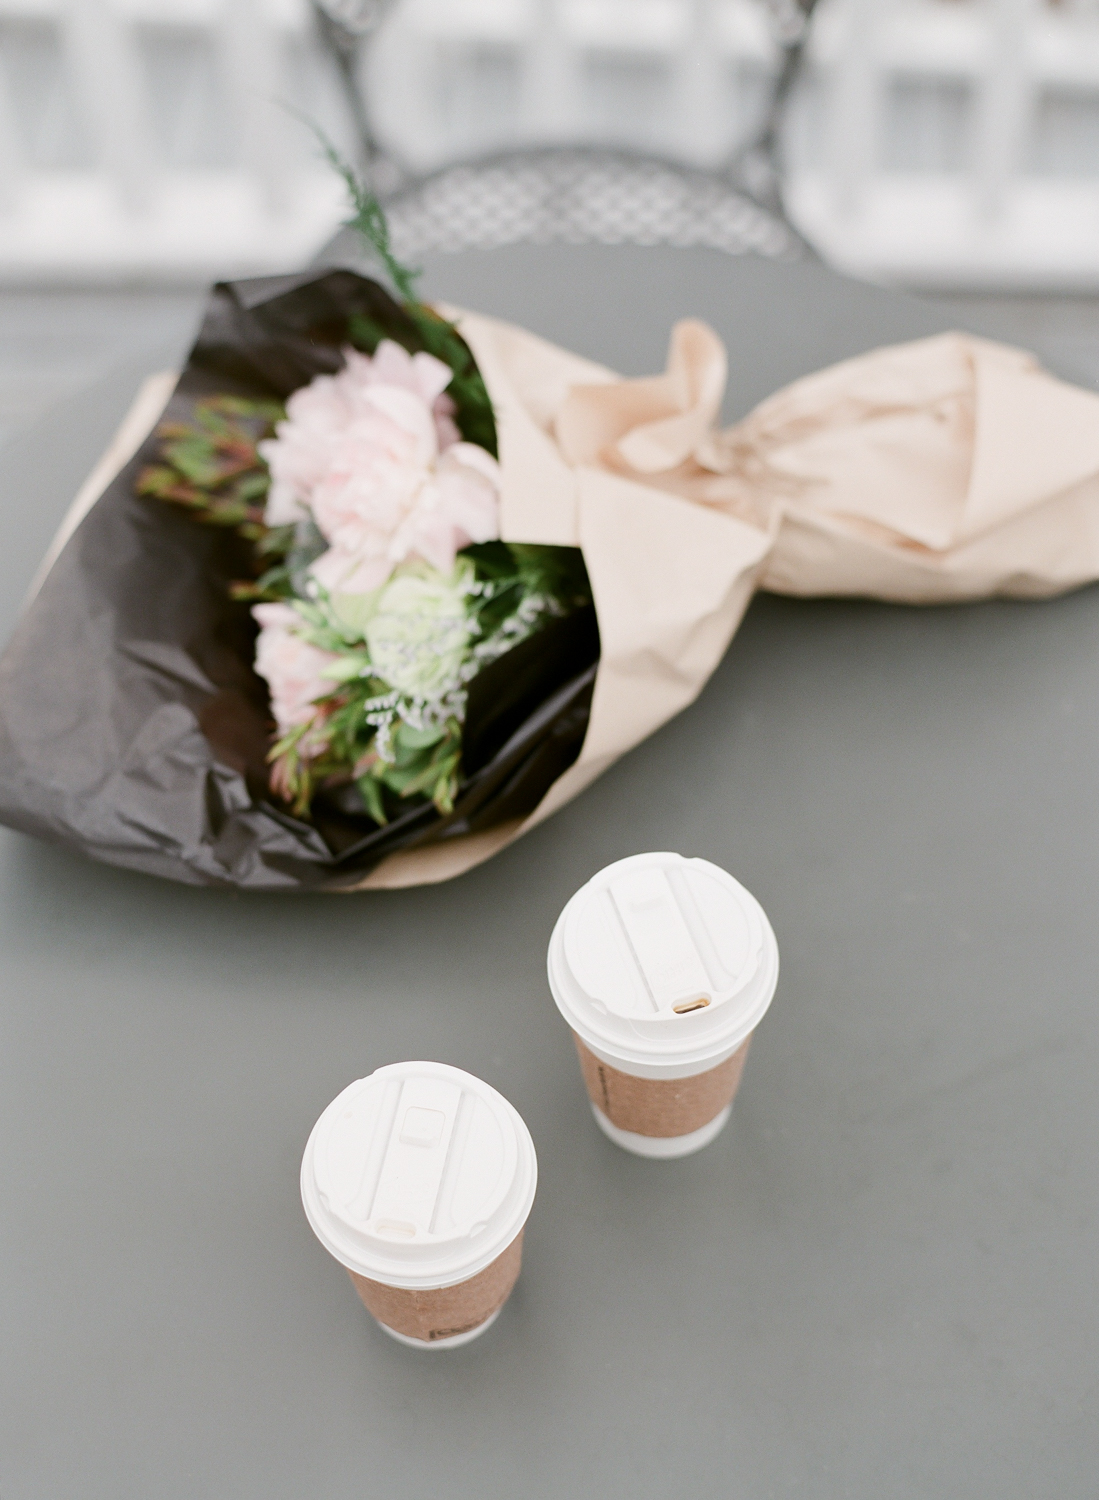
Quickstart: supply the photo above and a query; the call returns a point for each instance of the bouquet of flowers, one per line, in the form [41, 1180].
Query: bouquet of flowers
[325, 617]
[383, 588]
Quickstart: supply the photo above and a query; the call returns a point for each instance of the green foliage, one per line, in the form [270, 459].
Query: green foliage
[290, 550]
[213, 469]
[397, 752]
[401, 752]
[435, 334]
[369, 219]
[426, 765]
[366, 333]
[422, 764]
[557, 572]
[467, 389]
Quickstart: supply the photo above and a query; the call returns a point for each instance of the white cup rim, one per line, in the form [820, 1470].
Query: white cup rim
[696, 1048]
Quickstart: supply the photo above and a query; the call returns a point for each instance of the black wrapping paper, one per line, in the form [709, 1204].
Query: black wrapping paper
[132, 725]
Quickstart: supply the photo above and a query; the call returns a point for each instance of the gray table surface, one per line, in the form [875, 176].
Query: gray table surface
[880, 1281]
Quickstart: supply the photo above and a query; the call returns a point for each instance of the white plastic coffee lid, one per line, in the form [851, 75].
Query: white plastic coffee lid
[418, 1176]
[663, 960]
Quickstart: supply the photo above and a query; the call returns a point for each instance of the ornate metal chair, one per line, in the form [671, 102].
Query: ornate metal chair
[579, 193]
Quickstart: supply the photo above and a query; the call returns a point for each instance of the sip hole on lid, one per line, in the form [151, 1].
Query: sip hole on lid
[685, 1006]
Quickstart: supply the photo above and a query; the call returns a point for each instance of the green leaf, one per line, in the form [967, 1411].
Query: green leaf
[365, 332]
[418, 739]
[558, 572]
[346, 668]
[196, 459]
[355, 611]
[268, 412]
[209, 417]
[402, 779]
[372, 795]
[276, 540]
[212, 467]
[492, 559]
[253, 485]
[368, 217]
[163, 483]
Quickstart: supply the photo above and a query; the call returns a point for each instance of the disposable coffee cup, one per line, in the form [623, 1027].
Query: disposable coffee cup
[419, 1180]
[663, 967]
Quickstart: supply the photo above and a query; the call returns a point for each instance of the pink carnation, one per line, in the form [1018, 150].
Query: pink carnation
[459, 504]
[291, 666]
[422, 374]
[374, 455]
[330, 405]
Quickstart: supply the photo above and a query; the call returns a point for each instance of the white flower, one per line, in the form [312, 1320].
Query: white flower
[419, 632]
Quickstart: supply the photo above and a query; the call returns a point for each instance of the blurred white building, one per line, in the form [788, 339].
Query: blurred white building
[930, 141]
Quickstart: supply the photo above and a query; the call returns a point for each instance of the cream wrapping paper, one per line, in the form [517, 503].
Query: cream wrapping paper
[946, 469]
[951, 468]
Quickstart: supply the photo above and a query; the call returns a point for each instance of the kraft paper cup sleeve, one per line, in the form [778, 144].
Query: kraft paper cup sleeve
[660, 1107]
[439, 1314]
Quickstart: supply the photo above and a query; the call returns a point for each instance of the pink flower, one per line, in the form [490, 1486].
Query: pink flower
[459, 504]
[298, 455]
[376, 469]
[373, 455]
[427, 376]
[291, 666]
[344, 573]
[330, 405]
